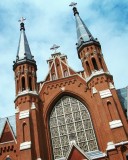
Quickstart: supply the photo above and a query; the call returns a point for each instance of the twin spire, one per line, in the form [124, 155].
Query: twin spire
[83, 36]
[23, 52]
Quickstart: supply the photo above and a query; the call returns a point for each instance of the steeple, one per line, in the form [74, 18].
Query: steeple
[84, 36]
[88, 47]
[25, 66]
[23, 52]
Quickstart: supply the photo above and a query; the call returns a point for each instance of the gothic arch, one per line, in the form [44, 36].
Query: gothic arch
[66, 93]
[70, 120]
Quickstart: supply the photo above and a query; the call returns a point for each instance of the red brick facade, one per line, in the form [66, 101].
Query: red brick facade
[34, 103]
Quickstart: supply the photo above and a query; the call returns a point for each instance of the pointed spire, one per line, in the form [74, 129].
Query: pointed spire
[83, 34]
[23, 51]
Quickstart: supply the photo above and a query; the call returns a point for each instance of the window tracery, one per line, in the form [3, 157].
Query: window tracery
[70, 120]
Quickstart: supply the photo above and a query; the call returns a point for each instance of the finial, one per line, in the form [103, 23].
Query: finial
[22, 23]
[73, 4]
[54, 47]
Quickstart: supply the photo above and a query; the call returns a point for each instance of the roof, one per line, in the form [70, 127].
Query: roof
[12, 122]
[23, 47]
[83, 34]
[91, 155]
[123, 97]
[95, 154]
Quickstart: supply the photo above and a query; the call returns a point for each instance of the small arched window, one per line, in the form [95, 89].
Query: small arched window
[88, 68]
[110, 109]
[24, 128]
[30, 83]
[65, 73]
[53, 76]
[94, 64]
[23, 84]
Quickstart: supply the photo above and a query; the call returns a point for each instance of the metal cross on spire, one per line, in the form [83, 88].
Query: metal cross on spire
[22, 19]
[73, 4]
[54, 47]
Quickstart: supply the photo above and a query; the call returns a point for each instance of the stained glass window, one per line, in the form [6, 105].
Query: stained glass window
[70, 120]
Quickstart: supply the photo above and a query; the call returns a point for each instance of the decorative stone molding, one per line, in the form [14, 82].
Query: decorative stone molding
[111, 86]
[17, 110]
[27, 91]
[96, 73]
[61, 84]
[33, 106]
[105, 93]
[25, 145]
[110, 146]
[94, 90]
[115, 124]
[121, 143]
[24, 114]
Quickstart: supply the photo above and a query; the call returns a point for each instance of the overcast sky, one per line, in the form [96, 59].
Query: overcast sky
[51, 22]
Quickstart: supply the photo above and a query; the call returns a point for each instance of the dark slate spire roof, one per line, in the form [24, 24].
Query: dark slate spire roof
[23, 51]
[23, 48]
[83, 34]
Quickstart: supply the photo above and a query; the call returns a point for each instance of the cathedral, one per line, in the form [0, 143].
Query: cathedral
[69, 115]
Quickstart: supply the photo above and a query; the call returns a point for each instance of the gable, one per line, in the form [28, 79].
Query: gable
[75, 154]
[58, 68]
[7, 129]
[7, 134]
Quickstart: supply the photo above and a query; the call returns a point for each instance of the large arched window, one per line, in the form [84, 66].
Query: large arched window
[70, 120]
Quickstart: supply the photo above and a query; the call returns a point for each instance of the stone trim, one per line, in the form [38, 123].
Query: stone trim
[121, 143]
[96, 73]
[33, 106]
[26, 92]
[105, 93]
[25, 145]
[94, 90]
[115, 124]
[24, 114]
[110, 146]
[111, 86]
[17, 110]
